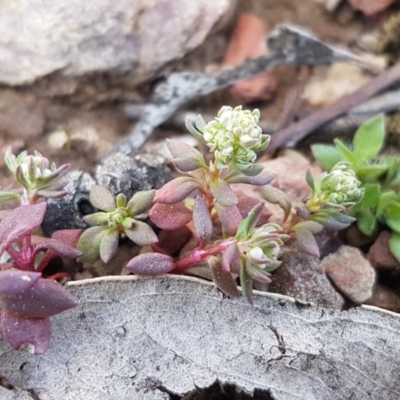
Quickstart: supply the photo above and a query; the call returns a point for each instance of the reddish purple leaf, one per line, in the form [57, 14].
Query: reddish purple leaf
[186, 158]
[247, 203]
[170, 216]
[15, 282]
[176, 190]
[44, 299]
[306, 241]
[230, 218]
[20, 221]
[62, 249]
[223, 279]
[202, 219]
[34, 334]
[150, 264]
[230, 259]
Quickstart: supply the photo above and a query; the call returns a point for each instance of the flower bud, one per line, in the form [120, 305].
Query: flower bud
[341, 186]
[235, 136]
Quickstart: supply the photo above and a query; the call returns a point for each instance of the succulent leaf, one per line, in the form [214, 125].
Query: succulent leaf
[109, 244]
[101, 198]
[170, 216]
[176, 190]
[33, 335]
[89, 243]
[261, 179]
[19, 222]
[306, 241]
[230, 218]
[151, 264]
[141, 234]
[223, 279]
[223, 193]
[141, 201]
[202, 219]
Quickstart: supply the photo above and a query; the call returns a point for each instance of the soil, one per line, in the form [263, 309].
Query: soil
[94, 129]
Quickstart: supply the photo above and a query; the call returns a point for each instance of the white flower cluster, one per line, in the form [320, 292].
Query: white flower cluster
[341, 186]
[235, 135]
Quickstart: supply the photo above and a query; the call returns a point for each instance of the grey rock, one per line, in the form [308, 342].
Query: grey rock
[67, 212]
[130, 173]
[351, 272]
[302, 276]
[64, 39]
[120, 173]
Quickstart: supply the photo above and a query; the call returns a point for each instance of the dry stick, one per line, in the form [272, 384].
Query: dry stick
[303, 128]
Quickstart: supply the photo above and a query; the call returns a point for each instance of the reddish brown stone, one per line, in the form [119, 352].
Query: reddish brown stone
[384, 297]
[351, 272]
[370, 7]
[249, 41]
[379, 254]
[302, 276]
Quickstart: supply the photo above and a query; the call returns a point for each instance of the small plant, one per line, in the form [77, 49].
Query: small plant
[379, 176]
[27, 297]
[250, 246]
[116, 220]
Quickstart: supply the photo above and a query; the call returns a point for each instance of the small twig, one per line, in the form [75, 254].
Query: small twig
[301, 129]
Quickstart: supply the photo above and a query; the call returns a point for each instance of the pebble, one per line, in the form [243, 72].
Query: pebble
[351, 272]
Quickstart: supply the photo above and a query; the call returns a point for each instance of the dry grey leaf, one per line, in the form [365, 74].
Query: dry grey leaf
[131, 338]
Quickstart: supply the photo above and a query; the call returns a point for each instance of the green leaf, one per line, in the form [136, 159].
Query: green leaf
[369, 138]
[345, 152]
[89, 243]
[366, 221]
[327, 155]
[370, 173]
[277, 196]
[310, 179]
[141, 201]
[11, 195]
[247, 226]
[371, 197]
[249, 169]
[109, 244]
[394, 245]
[392, 216]
[261, 179]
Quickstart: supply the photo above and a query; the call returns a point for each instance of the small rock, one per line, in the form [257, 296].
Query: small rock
[351, 272]
[130, 173]
[302, 276]
[386, 298]
[120, 173]
[379, 254]
[370, 7]
[249, 41]
[67, 212]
